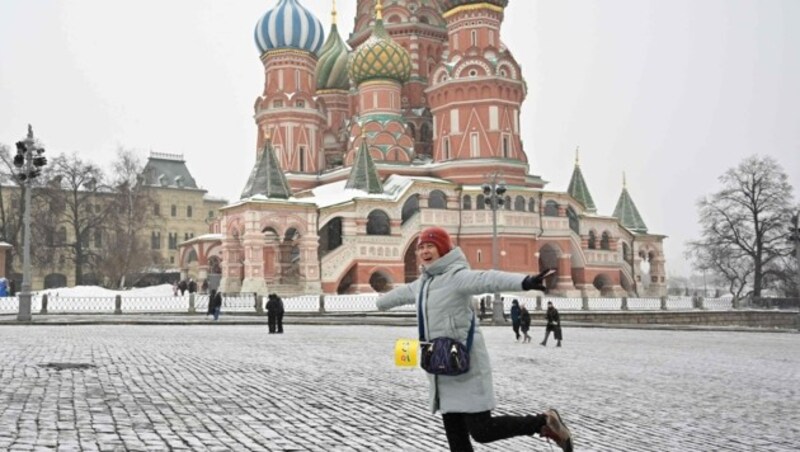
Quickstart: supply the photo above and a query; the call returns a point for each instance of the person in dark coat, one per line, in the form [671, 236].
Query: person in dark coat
[553, 324]
[12, 287]
[182, 286]
[279, 315]
[215, 303]
[272, 313]
[443, 295]
[515, 318]
[192, 286]
[525, 323]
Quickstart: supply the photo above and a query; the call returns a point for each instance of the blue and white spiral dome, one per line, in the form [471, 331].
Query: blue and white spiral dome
[289, 25]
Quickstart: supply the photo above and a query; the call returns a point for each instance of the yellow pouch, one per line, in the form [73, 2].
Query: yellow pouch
[406, 353]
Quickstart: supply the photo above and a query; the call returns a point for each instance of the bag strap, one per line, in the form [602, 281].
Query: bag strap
[420, 299]
[421, 316]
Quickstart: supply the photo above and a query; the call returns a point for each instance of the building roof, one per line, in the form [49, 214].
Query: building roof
[289, 25]
[363, 175]
[380, 57]
[332, 63]
[627, 213]
[580, 191]
[168, 171]
[267, 178]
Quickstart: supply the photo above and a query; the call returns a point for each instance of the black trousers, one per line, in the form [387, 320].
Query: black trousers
[484, 428]
[279, 322]
[271, 321]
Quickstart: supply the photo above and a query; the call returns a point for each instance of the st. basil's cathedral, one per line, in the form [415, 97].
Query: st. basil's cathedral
[363, 143]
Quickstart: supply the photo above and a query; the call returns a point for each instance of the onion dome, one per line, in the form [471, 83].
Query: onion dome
[450, 4]
[379, 57]
[289, 25]
[332, 62]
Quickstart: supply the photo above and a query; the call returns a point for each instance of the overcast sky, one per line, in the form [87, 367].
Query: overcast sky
[673, 92]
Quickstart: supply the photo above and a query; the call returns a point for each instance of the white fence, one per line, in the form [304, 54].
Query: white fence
[337, 304]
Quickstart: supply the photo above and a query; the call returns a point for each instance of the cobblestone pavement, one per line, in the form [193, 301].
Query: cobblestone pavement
[334, 388]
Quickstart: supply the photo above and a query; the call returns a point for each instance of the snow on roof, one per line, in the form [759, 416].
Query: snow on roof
[335, 193]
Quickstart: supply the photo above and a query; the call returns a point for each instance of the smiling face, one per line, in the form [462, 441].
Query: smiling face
[427, 253]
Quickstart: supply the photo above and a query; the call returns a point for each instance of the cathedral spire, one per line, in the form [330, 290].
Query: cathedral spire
[626, 211]
[578, 188]
[364, 176]
[267, 177]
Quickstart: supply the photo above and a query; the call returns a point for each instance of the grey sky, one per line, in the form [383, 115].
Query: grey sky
[673, 92]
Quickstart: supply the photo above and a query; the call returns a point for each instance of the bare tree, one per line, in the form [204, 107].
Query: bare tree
[74, 199]
[127, 252]
[744, 236]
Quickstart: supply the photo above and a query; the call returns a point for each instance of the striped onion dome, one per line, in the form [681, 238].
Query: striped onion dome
[289, 25]
[332, 63]
[447, 5]
[380, 58]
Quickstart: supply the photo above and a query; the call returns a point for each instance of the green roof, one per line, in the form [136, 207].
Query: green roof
[267, 178]
[332, 63]
[627, 213]
[578, 190]
[364, 176]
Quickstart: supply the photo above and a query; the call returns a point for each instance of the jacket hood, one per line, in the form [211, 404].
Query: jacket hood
[455, 259]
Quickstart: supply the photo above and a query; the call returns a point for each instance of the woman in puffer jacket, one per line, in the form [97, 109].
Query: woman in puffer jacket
[443, 294]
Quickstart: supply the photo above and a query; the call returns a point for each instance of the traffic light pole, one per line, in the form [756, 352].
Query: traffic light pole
[29, 160]
[24, 314]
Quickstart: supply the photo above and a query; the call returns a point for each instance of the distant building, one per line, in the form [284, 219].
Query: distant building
[358, 150]
[181, 211]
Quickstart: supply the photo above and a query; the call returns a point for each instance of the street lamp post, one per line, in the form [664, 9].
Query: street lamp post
[29, 160]
[493, 192]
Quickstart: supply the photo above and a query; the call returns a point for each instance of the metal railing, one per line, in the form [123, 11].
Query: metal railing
[250, 303]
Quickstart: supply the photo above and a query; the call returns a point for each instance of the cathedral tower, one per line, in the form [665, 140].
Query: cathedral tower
[289, 38]
[477, 91]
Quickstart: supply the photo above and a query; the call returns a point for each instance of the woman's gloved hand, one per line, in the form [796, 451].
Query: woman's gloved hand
[536, 282]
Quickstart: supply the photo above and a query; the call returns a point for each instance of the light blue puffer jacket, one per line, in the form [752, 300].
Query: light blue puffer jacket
[448, 312]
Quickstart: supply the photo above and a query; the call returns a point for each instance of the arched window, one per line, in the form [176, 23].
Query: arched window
[466, 202]
[330, 236]
[604, 241]
[508, 202]
[531, 205]
[480, 203]
[519, 204]
[574, 222]
[378, 223]
[437, 200]
[592, 240]
[626, 252]
[410, 208]
[551, 209]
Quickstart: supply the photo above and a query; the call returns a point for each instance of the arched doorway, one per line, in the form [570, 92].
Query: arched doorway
[603, 283]
[380, 282]
[548, 258]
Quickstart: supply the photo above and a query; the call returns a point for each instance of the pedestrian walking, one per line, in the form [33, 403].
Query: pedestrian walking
[182, 286]
[3, 287]
[525, 323]
[483, 307]
[279, 315]
[215, 303]
[192, 286]
[443, 295]
[12, 287]
[515, 312]
[553, 324]
[272, 313]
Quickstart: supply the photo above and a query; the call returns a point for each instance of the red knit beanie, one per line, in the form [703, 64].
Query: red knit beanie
[438, 237]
